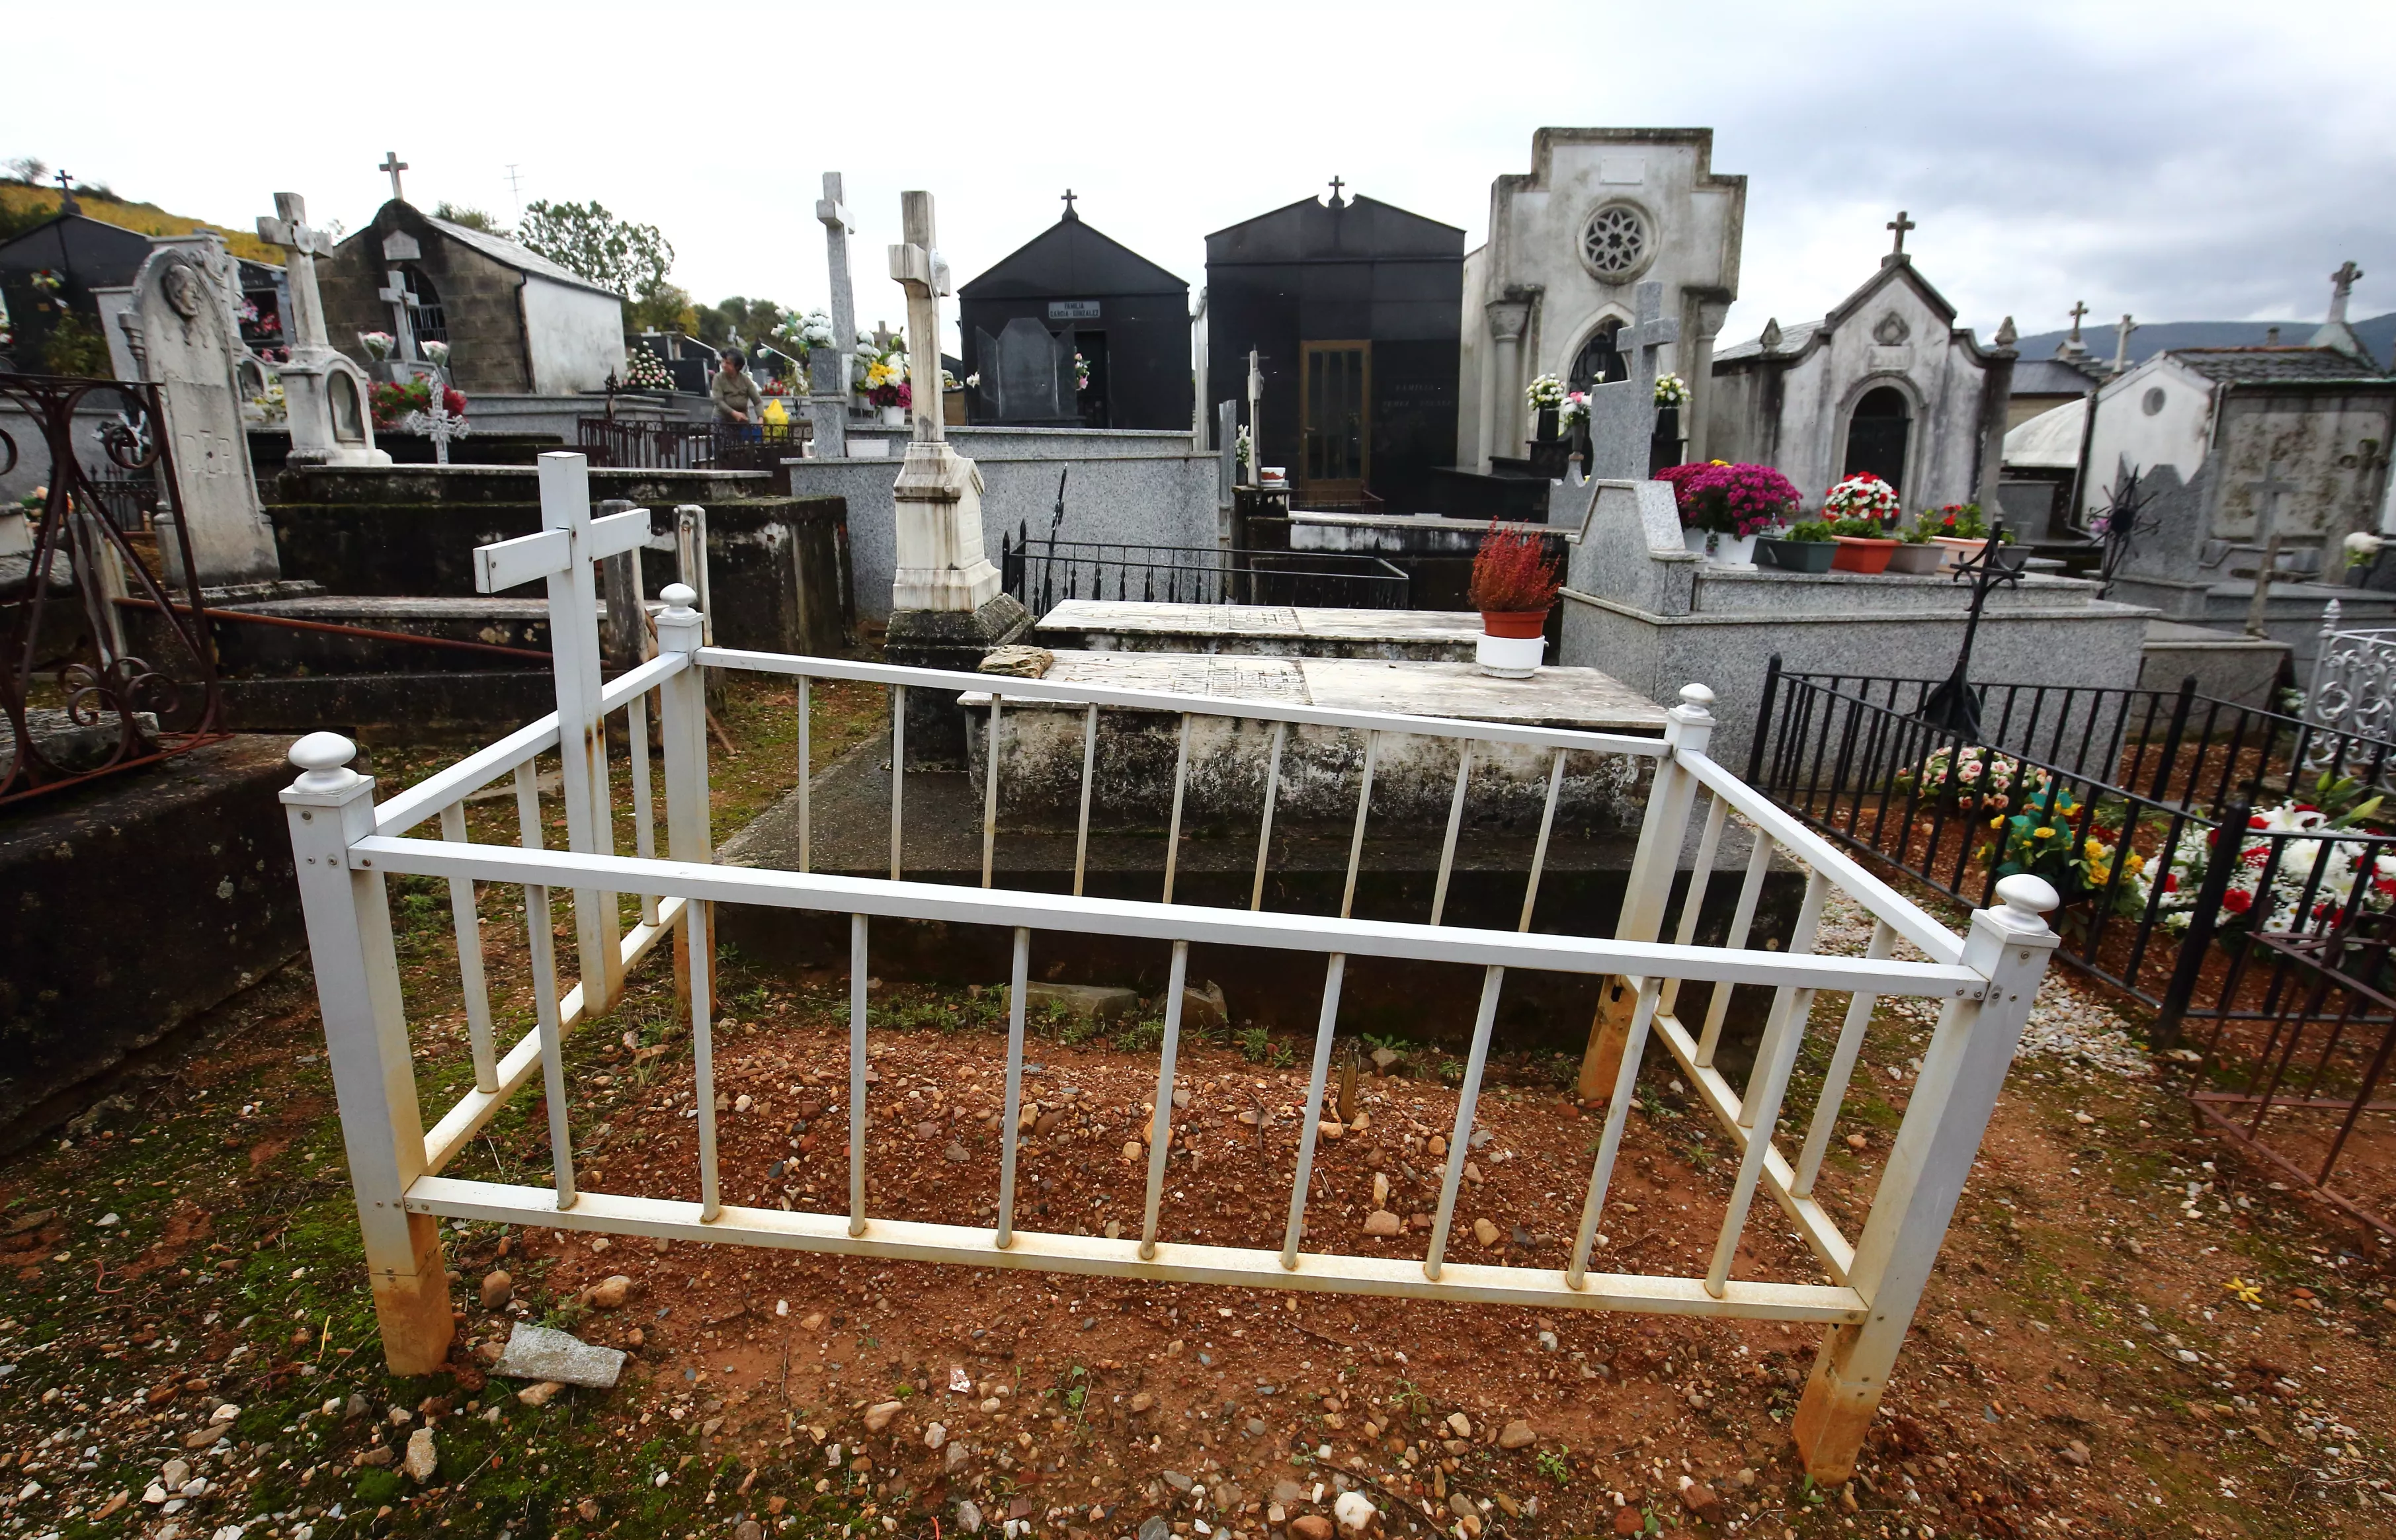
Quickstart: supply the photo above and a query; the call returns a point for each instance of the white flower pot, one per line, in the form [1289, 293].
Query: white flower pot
[894, 417]
[1509, 657]
[1720, 550]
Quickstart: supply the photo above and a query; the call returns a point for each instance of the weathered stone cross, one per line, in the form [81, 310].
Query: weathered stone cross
[1622, 415]
[2079, 309]
[400, 248]
[1900, 224]
[2341, 288]
[395, 166]
[301, 246]
[918, 267]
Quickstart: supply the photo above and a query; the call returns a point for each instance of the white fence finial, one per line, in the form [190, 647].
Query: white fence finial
[324, 760]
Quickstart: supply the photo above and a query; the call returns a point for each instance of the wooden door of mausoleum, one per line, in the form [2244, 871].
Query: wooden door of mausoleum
[1336, 442]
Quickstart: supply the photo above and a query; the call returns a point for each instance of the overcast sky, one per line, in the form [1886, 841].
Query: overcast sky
[2191, 161]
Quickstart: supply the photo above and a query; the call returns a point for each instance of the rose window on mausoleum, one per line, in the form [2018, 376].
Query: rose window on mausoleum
[1614, 241]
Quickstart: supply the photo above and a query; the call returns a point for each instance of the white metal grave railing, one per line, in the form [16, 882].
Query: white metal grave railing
[346, 846]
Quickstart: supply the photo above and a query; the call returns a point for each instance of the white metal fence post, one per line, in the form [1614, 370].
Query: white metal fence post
[1962, 1074]
[1687, 726]
[366, 1042]
[690, 833]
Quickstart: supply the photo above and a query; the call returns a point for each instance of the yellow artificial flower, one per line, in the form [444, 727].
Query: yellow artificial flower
[2247, 1293]
[2043, 832]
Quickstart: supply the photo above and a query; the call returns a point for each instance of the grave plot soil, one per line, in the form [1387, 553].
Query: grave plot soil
[2131, 1331]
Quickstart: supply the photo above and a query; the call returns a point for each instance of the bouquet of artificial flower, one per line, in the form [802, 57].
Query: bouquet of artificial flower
[645, 371]
[1862, 496]
[1545, 393]
[1575, 410]
[1081, 374]
[1672, 391]
[378, 344]
[438, 353]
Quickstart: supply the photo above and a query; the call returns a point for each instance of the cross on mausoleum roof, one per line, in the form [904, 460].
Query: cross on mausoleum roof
[1069, 205]
[1900, 224]
[1337, 201]
[68, 206]
[2341, 286]
[395, 166]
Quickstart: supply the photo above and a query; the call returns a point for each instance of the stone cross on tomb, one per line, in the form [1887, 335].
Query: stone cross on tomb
[301, 246]
[2073, 346]
[392, 165]
[1622, 415]
[2341, 287]
[941, 564]
[827, 393]
[396, 248]
[1900, 224]
[1337, 201]
[2266, 490]
[919, 268]
[2121, 344]
[1068, 201]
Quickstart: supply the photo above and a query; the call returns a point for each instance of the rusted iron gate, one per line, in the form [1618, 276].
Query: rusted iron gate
[347, 846]
[65, 663]
[2296, 1090]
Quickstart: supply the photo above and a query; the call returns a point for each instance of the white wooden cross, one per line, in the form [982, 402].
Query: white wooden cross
[562, 552]
[438, 423]
[301, 246]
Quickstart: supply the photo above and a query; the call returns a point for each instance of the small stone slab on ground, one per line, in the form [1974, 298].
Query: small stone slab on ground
[538, 1353]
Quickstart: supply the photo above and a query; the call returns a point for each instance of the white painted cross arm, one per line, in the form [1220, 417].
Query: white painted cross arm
[509, 562]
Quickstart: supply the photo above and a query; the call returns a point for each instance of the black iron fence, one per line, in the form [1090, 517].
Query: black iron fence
[2128, 800]
[2176, 745]
[647, 445]
[2300, 1089]
[81, 700]
[1042, 573]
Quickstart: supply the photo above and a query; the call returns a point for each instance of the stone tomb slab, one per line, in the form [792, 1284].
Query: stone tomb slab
[1041, 743]
[1091, 625]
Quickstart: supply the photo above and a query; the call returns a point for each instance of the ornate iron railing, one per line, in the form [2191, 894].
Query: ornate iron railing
[1044, 573]
[643, 446]
[81, 701]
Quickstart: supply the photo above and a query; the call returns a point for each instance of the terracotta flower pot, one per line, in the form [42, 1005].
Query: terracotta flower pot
[1863, 553]
[1514, 623]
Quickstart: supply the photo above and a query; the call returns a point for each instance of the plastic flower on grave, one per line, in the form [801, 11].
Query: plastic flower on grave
[437, 351]
[1672, 391]
[378, 344]
[453, 401]
[1575, 410]
[1862, 496]
[1081, 373]
[1545, 393]
[49, 280]
[645, 371]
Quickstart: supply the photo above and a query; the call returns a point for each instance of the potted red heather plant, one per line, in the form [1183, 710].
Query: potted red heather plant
[1514, 584]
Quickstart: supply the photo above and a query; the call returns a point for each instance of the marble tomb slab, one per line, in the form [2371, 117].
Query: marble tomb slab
[1041, 743]
[1089, 625]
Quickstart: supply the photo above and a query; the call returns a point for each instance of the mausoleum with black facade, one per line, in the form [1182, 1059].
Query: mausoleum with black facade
[1352, 307]
[1069, 291]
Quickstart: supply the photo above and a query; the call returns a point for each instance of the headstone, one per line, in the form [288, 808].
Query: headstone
[324, 393]
[1622, 415]
[1029, 373]
[183, 339]
[828, 368]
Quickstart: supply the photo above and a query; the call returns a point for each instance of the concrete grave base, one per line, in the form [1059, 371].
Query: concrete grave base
[2227, 665]
[135, 903]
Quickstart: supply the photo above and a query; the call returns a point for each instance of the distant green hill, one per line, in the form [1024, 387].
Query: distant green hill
[148, 218]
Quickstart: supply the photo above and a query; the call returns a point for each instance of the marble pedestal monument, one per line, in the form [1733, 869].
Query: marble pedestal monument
[325, 394]
[946, 610]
